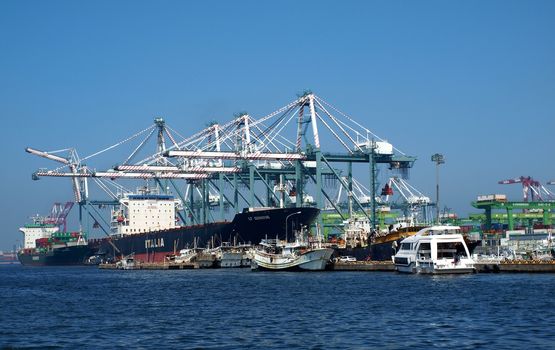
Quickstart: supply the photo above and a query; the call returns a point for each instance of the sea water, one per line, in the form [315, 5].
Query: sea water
[84, 307]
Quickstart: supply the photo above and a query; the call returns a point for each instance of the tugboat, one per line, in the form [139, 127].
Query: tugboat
[435, 250]
[46, 241]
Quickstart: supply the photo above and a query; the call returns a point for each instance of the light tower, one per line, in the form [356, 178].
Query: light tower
[438, 159]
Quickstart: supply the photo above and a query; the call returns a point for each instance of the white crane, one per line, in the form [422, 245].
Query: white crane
[72, 161]
[410, 194]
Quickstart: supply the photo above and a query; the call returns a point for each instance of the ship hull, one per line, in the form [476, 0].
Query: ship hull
[382, 249]
[157, 245]
[376, 252]
[247, 227]
[73, 255]
[253, 226]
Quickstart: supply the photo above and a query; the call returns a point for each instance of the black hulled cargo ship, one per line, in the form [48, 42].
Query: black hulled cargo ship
[46, 243]
[56, 256]
[145, 225]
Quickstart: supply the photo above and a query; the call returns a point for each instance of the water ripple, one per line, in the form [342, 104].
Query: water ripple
[229, 309]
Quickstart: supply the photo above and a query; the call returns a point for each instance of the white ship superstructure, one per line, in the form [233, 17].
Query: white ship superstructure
[36, 230]
[144, 212]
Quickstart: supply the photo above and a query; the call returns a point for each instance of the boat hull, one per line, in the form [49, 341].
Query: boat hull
[73, 255]
[253, 226]
[230, 259]
[313, 260]
[375, 252]
[382, 248]
[247, 227]
[155, 246]
[429, 269]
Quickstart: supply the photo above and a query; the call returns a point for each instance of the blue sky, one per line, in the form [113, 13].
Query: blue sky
[474, 80]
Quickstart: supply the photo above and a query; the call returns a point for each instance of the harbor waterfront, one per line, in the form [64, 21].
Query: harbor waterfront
[231, 308]
[524, 266]
[335, 175]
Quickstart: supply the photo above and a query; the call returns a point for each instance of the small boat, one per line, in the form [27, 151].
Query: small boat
[435, 250]
[302, 254]
[228, 255]
[186, 256]
[206, 258]
[127, 263]
[274, 254]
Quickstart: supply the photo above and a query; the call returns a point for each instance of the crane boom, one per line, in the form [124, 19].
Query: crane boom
[160, 168]
[150, 175]
[115, 175]
[73, 166]
[46, 155]
[510, 181]
[529, 185]
[234, 155]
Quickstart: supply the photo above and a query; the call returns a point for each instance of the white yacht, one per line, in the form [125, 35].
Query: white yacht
[434, 250]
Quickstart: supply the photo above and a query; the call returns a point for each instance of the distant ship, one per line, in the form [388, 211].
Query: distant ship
[146, 225]
[8, 258]
[45, 244]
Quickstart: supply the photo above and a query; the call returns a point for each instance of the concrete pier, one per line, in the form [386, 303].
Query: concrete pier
[512, 266]
[526, 266]
[363, 266]
[153, 266]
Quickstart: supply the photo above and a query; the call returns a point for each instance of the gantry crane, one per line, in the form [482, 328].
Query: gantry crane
[58, 215]
[245, 151]
[531, 188]
[72, 161]
[411, 201]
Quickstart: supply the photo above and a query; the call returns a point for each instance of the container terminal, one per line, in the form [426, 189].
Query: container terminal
[306, 154]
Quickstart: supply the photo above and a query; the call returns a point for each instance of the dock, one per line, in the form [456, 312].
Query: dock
[525, 266]
[510, 266]
[153, 266]
[363, 266]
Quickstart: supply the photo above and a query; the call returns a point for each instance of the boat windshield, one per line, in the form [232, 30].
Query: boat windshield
[424, 251]
[450, 250]
[443, 231]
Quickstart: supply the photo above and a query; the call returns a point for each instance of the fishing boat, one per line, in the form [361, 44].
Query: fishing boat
[278, 255]
[228, 255]
[302, 254]
[435, 250]
[186, 256]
